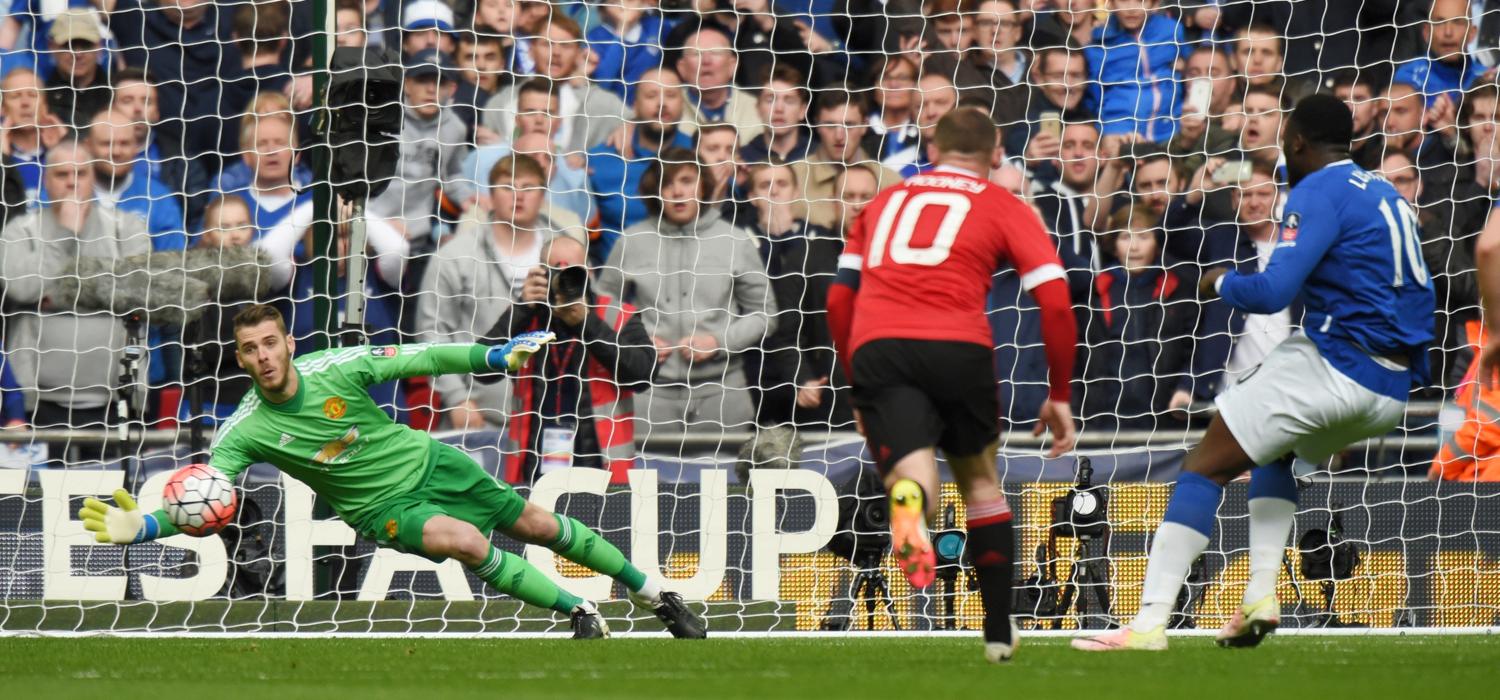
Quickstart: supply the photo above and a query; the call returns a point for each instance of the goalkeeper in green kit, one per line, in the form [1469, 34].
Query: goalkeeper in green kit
[314, 419]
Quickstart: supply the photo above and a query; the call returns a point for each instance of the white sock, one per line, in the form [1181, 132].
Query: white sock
[1172, 554]
[1270, 524]
[651, 591]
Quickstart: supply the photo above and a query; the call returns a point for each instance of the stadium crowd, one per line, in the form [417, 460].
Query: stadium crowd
[703, 158]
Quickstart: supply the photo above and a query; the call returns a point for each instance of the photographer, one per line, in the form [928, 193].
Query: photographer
[573, 402]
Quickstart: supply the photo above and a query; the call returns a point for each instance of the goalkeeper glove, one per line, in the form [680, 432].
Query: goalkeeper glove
[123, 525]
[515, 352]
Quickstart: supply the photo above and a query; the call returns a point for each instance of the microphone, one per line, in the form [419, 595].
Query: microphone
[167, 288]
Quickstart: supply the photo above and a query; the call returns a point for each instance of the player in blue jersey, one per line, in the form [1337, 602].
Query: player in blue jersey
[1348, 246]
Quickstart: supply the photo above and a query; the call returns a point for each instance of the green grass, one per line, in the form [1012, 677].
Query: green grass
[1432, 668]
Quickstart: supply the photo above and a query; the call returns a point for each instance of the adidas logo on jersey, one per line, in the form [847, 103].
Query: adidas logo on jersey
[285, 439]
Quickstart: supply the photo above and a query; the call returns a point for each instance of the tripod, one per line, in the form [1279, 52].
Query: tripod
[948, 576]
[1090, 574]
[869, 583]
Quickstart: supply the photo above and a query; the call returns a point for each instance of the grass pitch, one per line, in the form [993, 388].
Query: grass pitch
[812, 667]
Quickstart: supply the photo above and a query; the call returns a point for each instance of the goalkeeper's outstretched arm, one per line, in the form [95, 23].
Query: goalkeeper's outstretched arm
[376, 364]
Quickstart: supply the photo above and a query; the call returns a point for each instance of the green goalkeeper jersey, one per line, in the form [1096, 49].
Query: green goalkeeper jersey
[331, 435]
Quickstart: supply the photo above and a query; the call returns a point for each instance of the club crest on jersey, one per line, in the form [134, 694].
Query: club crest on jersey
[335, 407]
[390, 529]
[1289, 228]
[384, 352]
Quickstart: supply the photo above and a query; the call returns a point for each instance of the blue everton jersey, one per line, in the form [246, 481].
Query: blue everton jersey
[1349, 244]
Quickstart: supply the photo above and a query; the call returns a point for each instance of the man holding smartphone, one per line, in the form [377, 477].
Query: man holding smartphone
[573, 404]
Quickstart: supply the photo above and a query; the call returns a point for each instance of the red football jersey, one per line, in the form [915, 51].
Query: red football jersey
[927, 251]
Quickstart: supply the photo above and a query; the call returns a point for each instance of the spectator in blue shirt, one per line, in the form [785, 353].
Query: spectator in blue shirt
[188, 48]
[124, 182]
[30, 128]
[615, 175]
[1447, 70]
[1133, 63]
[627, 43]
[268, 142]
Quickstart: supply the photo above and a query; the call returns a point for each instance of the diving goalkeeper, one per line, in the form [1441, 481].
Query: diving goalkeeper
[313, 419]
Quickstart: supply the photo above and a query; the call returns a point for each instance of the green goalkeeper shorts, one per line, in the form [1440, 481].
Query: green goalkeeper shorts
[455, 486]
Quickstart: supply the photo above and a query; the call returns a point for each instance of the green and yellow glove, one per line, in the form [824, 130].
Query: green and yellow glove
[123, 525]
[514, 354]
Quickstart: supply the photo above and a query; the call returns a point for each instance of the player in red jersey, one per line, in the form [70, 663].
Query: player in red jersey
[908, 317]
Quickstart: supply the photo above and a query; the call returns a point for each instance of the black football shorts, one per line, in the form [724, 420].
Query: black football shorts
[913, 394]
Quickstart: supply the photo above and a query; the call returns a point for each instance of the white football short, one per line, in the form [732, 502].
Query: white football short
[1296, 403]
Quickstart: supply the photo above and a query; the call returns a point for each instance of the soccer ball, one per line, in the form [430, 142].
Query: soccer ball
[199, 499]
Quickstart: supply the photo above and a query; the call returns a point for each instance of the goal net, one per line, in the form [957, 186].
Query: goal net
[167, 164]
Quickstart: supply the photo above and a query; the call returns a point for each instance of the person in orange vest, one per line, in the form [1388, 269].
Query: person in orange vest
[573, 403]
[1473, 453]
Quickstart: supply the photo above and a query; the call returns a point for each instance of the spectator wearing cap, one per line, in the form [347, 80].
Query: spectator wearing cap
[782, 105]
[615, 173]
[840, 122]
[78, 86]
[189, 50]
[432, 148]
[707, 64]
[427, 24]
[626, 44]
[1133, 66]
[587, 115]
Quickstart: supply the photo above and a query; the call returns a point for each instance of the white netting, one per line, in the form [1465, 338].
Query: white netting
[1146, 139]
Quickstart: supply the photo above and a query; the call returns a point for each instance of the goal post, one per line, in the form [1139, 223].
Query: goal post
[1146, 169]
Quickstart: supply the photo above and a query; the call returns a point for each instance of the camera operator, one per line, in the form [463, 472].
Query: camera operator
[573, 403]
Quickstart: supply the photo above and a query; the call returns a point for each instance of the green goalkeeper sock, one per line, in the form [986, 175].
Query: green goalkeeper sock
[580, 545]
[517, 578]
